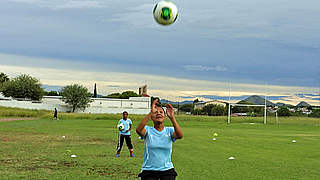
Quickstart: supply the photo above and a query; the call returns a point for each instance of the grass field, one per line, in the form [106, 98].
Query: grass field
[35, 149]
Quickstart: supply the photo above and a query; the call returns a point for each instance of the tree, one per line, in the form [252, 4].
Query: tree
[208, 109]
[196, 112]
[315, 113]
[124, 95]
[242, 109]
[113, 95]
[186, 107]
[218, 110]
[51, 93]
[127, 94]
[283, 111]
[23, 86]
[3, 78]
[195, 101]
[76, 95]
[95, 91]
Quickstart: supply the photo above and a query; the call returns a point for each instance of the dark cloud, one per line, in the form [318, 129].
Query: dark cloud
[240, 41]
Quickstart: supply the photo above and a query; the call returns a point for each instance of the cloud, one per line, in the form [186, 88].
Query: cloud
[64, 4]
[297, 98]
[79, 5]
[163, 86]
[27, 1]
[204, 68]
[129, 36]
[309, 96]
[312, 94]
[187, 97]
[277, 97]
[113, 86]
[138, 17]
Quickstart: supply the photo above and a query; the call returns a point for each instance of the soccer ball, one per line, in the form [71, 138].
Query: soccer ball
[165, 12]
[120, 126]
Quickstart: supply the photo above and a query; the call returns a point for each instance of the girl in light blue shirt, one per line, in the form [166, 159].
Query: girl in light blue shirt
[158, 143]
[125, 134]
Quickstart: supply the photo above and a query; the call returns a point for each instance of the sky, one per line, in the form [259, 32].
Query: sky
[251, 47]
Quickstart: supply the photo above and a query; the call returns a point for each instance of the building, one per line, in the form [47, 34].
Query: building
[133, 105]
[143, 91]
[239, 114]
[200, 105]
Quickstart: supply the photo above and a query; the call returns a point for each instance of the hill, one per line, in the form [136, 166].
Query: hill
[163, 101]
[303, 104]
[258, 100]
[279, 104]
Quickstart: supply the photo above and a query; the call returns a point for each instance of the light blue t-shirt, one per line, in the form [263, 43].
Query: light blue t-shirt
[126, 124]
[157, 149]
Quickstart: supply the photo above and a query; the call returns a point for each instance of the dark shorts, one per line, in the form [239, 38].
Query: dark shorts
[121, 139]
[156, 175]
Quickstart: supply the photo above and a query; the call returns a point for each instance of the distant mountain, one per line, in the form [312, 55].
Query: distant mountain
[99, 96]
[51, 88]
[282, 104]
[279, 104]
[303, 104]
[163, 101]
[258, 100]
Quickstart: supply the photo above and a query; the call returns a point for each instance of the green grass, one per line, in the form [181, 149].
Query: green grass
[17, 112]
[34, 149]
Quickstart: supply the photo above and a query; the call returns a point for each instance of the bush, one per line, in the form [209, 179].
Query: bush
[315, 113]
[186, 107]
[218, 110]
[196, 112]
[214, 110]
[283, 111]
[124, 95]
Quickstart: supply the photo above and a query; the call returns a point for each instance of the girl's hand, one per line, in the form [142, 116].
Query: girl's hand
[154, 106]
[170, 111]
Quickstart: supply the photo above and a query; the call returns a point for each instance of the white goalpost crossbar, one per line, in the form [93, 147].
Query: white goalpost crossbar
[246, 105]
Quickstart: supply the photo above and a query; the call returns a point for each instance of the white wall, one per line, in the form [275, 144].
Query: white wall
[133, 105]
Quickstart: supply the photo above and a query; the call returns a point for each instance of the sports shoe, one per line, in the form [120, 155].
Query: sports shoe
[117, 155]
[131, 155]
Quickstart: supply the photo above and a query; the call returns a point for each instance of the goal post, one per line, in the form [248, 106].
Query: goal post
[247, 105]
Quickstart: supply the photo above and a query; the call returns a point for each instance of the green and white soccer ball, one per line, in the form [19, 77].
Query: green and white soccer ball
[165, 12]
[120, 126]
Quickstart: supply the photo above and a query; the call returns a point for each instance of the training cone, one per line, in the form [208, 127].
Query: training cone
[231, 158]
